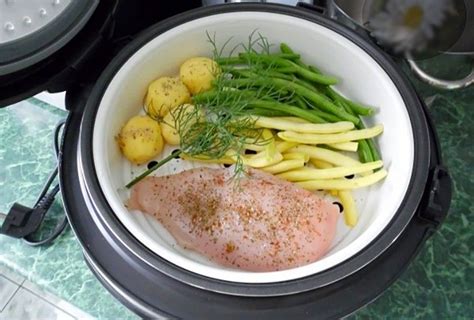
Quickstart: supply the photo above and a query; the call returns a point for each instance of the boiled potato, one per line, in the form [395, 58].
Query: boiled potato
[165, 94]
[198, 74]
[170, 124]
[140, 139]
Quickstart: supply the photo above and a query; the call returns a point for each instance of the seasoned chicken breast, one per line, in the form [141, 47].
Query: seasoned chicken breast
[261, 223]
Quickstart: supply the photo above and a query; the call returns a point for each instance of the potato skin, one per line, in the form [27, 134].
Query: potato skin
[169, 125]
[165, 94]
[198, 74]
[140, 139]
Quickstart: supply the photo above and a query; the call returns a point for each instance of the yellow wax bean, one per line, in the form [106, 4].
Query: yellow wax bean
[309, 138]
[260, 160]
[284, 165]
[350, 210]
[330, 173]
[345, 146]
[293, 119]
[296, 155]
[290, 125]
[283, 146]
[320, 164]
[333, 157]
[343, 184]
[207, 160]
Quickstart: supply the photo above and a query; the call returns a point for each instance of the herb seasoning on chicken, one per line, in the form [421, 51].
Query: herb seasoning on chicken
[264, 224]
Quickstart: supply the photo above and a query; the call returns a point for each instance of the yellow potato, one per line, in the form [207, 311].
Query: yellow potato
[170, 124]
[165, 94]
[140, 139]
[198, 74]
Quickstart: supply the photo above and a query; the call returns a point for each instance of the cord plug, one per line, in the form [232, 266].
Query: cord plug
[17, 223]
[22, 221]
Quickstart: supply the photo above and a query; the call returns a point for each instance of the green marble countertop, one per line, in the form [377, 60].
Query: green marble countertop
[439, 284]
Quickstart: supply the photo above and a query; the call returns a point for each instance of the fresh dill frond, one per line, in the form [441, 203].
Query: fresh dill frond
[264, 44]
[216, 52]
[221, 123]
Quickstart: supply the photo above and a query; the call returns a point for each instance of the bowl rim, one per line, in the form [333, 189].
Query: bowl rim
[404, 214]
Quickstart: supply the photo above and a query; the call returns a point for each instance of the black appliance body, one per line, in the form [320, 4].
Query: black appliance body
[150, 285]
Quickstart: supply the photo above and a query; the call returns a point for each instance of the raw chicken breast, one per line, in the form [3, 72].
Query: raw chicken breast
[261, 224]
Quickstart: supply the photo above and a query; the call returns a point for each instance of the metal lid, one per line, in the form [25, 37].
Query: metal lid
[57, 45]
[31, 31]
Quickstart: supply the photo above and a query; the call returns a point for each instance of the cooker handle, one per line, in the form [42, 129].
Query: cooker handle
[308, 2]
[440, 83]
[436, 202]
[319, 6]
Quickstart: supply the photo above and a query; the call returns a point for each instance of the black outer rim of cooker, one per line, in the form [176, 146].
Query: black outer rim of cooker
[113, 228]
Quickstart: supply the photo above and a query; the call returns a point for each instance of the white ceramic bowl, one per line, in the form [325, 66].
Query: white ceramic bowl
[362, 79]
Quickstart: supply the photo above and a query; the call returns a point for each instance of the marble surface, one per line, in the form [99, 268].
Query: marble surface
[439, 284]
[26, 159]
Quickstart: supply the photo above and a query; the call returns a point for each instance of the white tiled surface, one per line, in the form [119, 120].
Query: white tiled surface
[21, 299]
[59, 303]
[54, 99]
[12, 276]
[7, 290]
[27, 305]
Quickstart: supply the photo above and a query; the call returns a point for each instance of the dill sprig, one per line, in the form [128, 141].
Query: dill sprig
[221, 123]
[220, 126]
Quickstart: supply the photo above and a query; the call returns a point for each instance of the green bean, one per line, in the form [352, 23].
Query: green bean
[289, 56]
[290, 110]
[291, 78]
[266, 112]
[374, 151]
[274, 74]
[318, 99]
[300, 103]
[247, 73]
[286, 70]
[294, 68]
[312, 76]
[255, 73]
[284, 48]
[253, 103]
[250, 56]
[326, 116]
[305, 83]
[357, 108]
[314, 69]
[365, 150]
[240, 60]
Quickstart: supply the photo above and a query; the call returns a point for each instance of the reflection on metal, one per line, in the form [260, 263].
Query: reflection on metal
[20, 18]
[456, 32]
[440, 83]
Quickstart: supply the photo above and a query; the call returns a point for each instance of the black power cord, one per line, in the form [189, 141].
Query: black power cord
[23, 222]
